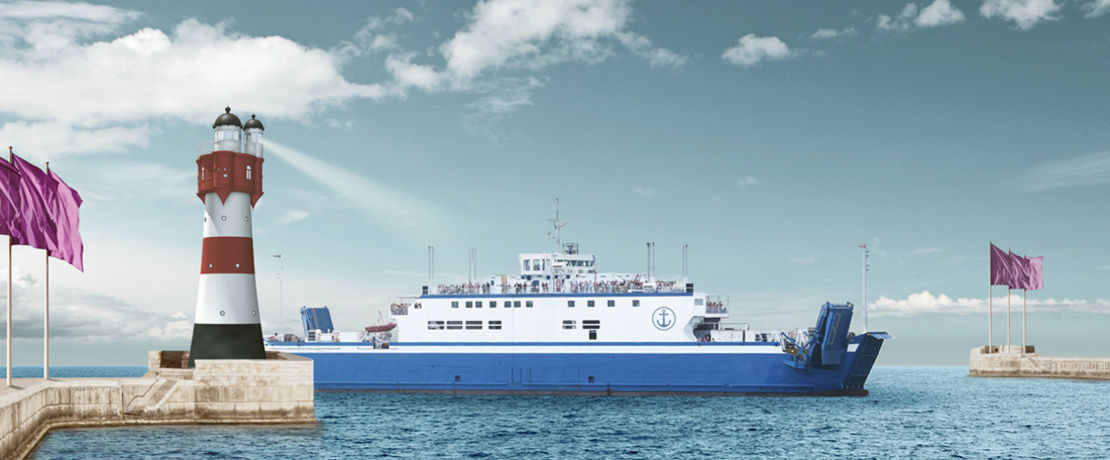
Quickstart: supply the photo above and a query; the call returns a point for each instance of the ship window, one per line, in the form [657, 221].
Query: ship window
[568, 324]
[698, 301]
[611, 303]
[591, 324]
[507, 304]
[516, 304]
[493, 304]
[495, 324]
[469, 304]
[455, 325]
[454, 304]
[471, 325]
[570, 304]
[528, 304]
[435, 325]
[589, 303]
[478, 304]
[593, 335]
[635, 302]
[248, 172]
[526, 262]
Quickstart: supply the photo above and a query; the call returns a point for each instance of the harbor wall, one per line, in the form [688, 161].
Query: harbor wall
[275, 390]
[1014, 361]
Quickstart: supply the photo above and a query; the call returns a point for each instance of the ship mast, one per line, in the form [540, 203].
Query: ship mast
[556, 225]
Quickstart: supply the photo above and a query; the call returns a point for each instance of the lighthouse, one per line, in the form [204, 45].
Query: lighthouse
[229, 183]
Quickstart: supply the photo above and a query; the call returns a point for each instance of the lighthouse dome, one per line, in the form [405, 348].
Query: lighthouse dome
[227, 119]
[253, 123]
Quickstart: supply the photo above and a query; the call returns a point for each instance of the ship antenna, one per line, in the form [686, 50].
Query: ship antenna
[556, 225]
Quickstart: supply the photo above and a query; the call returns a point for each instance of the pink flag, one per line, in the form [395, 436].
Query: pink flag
[35, 191]
[1036, 273]
[65, 208]
[10, 222]
[1001, 267]
[1020, 272]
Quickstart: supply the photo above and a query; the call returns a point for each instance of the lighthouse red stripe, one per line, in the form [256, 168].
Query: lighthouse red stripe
[227, 254]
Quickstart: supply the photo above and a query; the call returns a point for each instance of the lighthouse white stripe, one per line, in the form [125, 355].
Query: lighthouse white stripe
[231, 293]
[229, 218]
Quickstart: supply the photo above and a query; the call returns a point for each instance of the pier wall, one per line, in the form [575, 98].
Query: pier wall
[275, 390]
[1002, 361]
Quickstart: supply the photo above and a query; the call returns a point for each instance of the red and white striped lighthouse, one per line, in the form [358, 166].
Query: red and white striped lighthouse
[229, 182]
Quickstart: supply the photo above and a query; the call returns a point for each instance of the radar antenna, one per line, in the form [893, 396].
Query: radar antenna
[556, 225]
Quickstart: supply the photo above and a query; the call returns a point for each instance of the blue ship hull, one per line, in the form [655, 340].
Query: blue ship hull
[685, 369]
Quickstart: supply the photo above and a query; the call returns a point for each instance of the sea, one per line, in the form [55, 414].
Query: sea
[911, 412]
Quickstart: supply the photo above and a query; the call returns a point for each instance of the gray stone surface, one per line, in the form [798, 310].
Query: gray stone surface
[1002, 361]
[275, 390]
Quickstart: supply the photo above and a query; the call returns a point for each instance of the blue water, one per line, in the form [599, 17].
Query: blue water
[918, 412]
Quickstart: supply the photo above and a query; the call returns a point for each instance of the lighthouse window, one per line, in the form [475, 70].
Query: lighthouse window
[248, 172]
[611, 303]
[455, 304]
[435, 325]
[202, 173]
[471, 325]
[568, 324]
[495, 324]
[591, 324]
[454, 325]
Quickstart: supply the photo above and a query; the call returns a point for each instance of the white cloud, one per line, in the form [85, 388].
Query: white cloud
[1087, 170]
[292, 215]
[936, 14]
[829, 34]
[1024, 13]
[925, 302]
[371, 38]
[1097, 8]
[747, 181]
[751, 50]
[99, 95]
[644, 191]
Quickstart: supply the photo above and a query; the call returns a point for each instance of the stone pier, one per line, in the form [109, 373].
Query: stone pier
[1014, 361]
[234, 391]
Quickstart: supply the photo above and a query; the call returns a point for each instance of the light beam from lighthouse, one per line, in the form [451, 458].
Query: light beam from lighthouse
[229, 183]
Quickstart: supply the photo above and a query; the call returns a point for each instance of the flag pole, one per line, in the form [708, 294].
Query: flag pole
[46, 314]
[1007, 318]
[990, 312]
[1024, 298]
[8, 339]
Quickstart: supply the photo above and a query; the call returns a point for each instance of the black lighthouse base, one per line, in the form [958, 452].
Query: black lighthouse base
[226, 341]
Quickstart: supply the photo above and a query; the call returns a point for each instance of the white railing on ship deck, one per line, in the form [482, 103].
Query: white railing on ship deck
[583, 287]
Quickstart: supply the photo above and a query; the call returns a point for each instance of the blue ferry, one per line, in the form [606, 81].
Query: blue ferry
[559, 326]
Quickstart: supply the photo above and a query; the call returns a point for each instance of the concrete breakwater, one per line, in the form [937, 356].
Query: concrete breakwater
[274, 390]
[1017, 361]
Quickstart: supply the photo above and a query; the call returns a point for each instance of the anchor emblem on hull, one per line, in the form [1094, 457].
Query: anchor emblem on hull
[663, 318]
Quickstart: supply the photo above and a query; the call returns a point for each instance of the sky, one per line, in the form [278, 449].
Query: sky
[771, 137]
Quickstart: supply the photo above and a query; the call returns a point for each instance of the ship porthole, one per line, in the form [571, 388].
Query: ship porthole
[222, 313]
[254, 312]
[223, 217]
[246, 219]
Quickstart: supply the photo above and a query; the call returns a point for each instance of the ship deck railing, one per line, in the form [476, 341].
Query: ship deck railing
[584, 288]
